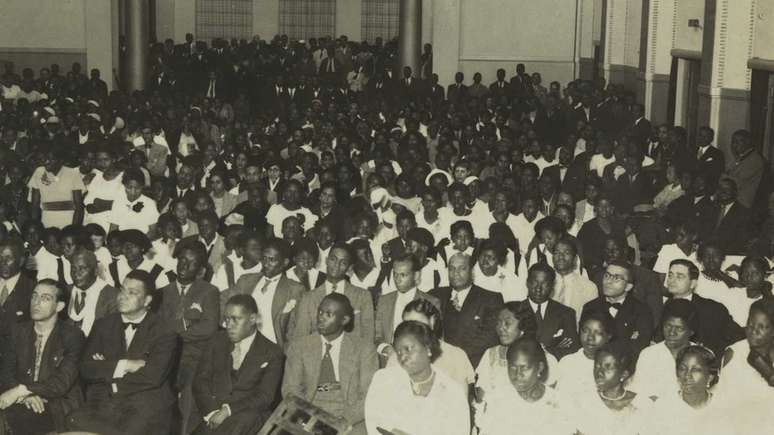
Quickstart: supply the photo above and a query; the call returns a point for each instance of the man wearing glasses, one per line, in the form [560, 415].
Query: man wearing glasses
[633, 319]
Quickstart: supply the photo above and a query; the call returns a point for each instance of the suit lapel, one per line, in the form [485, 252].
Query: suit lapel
[142, 332]
[346, 362]
[550, 319]
[314, 358]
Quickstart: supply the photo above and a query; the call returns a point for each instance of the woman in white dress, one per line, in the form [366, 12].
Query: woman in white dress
[576, 371]
[514, 320]
[747, 377]
[413, 398]
[431, 217]
[524, 404]
[612, 409]
[753, 287]
[654, 377]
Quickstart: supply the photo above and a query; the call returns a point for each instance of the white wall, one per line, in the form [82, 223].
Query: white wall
[42, 24]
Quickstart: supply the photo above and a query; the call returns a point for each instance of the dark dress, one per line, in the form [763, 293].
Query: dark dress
[592, 239]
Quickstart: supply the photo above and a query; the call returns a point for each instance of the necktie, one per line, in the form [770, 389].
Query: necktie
[334, 287]
[80, 301]
[183, 289]
[539, 312]
[211, 90]
[236, 356]
[129, 326]
[60, 271]
[700, 153]
[266, 284]
[38, 355]
[721, 215]
[327, 374]
[614, 305]
[4, 294]
[456, 302]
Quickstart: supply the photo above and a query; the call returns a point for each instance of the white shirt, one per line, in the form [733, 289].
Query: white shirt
[278, 213]
[10, 283]
[264, 301]
[576, 373]
[334, 288]
[123, 215]
[671, 252]
[220, 279]
[461, 295]
[400, 304]
[503, 281]
[99, 188]
[656, 372]
[147, 265]
[367, 282]
[87, 316]
[335, 352]
[598, 163]
[574, 291]
[244, 347]
[524, 230]
[440, 227]
[48, 268]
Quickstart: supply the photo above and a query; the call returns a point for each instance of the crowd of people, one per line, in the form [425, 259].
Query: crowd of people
[299, 218]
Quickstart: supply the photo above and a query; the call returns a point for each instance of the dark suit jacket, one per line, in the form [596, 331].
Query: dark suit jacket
[194, 327]
[557, 324]
[703, 214]
[648, 288]
[633, 322]
[58, 376]
[473, 328]
[642, 130]
[457, 94]
[250, 392]
[106, 303]
[357, 365]
[627, 193]
[717, 329]
[497, 92]
[734, 229]
[712, 164]
[287, 296]
[385, 313]
[147, 390]
[17, 307]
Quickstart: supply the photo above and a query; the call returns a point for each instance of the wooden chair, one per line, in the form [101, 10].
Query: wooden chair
[295, 416]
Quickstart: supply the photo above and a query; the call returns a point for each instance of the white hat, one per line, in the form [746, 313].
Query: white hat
[52, 120]
[379, 196]
[94, 116]
[93, 103]
[470, 179]
[436, 172]
[50, 110]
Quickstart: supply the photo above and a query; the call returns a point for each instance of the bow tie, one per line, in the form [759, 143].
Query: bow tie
[130, 325]
[614, 305]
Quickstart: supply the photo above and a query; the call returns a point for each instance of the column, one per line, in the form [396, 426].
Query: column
[724, 93]
[99, 39]
[137, 44]
[410, 35]
[446, 40]
[584, 39]
[622, 41]
[658, 63]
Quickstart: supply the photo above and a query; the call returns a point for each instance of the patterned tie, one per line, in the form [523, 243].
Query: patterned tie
[4, 294]
[38, 355]
[80, 301]
[456, 302]
[327, 374]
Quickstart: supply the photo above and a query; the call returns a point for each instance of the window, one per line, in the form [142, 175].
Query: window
[304, 19]
[380, 18]
[224, 19]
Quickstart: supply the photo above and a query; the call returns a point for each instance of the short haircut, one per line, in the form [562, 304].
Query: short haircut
[345, 247]
[626, 266]
[306, 245]
[280, 245]
[87, 255]
[461, 225]
[208, 215]
[407, 258]
[60, 290]
[530, 347]
[406, 215]
[195, 246]
[681, 309]
[15, 243]
[426, 308]
[422, 333]
[246, 302]
[693, 270]
[133, 174]
[603, 317]
[95, 230]
[704, 354]
[148, 283]
[522, 311]
[542, 267]
[622, 351]
[549, 223]
[764, 306]
[346, 305]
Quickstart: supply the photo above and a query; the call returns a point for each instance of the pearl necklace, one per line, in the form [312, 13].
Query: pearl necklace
[602, 394]
[416, 387]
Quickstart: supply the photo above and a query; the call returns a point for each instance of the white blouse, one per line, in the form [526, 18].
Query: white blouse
[507, 414]
[656, 372]
[576, 374]
[390, 404]
[492, 371]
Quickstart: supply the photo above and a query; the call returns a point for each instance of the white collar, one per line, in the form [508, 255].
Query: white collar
[11, 282]
[245, 343]
[137, 321]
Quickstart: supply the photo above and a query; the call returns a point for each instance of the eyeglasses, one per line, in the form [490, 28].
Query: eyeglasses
[614, 277]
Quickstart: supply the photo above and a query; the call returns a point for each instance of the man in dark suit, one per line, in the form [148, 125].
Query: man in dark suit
[569, 175]
[501, 88]
[457, 93]
[191, 308]
[96, 88]
[716, 328]
[641, 129]
[90, 297]
[332, 368]
[126, 365]
[556, 324]
[275, 294]
[238, 379]
[468, 311]
[40, 366]
[696, 206]
[632, 188]
[731, 220]
[648, 285]
[436, 92]
[633, 320]
[710, 161]
[397, 247]
[520, 82]
[15, 287]
[409, 86]
[331, 70]
[406, 272]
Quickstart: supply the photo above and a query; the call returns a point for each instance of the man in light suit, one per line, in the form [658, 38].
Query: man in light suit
[239, 376]
[191, 308]
[275, 294]
[333, 368]
[40, 366]
[214, 243]
[468, 311]
[406, 272]
[127, 366]
[90, 297]
[303, 321]
[556, 324]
